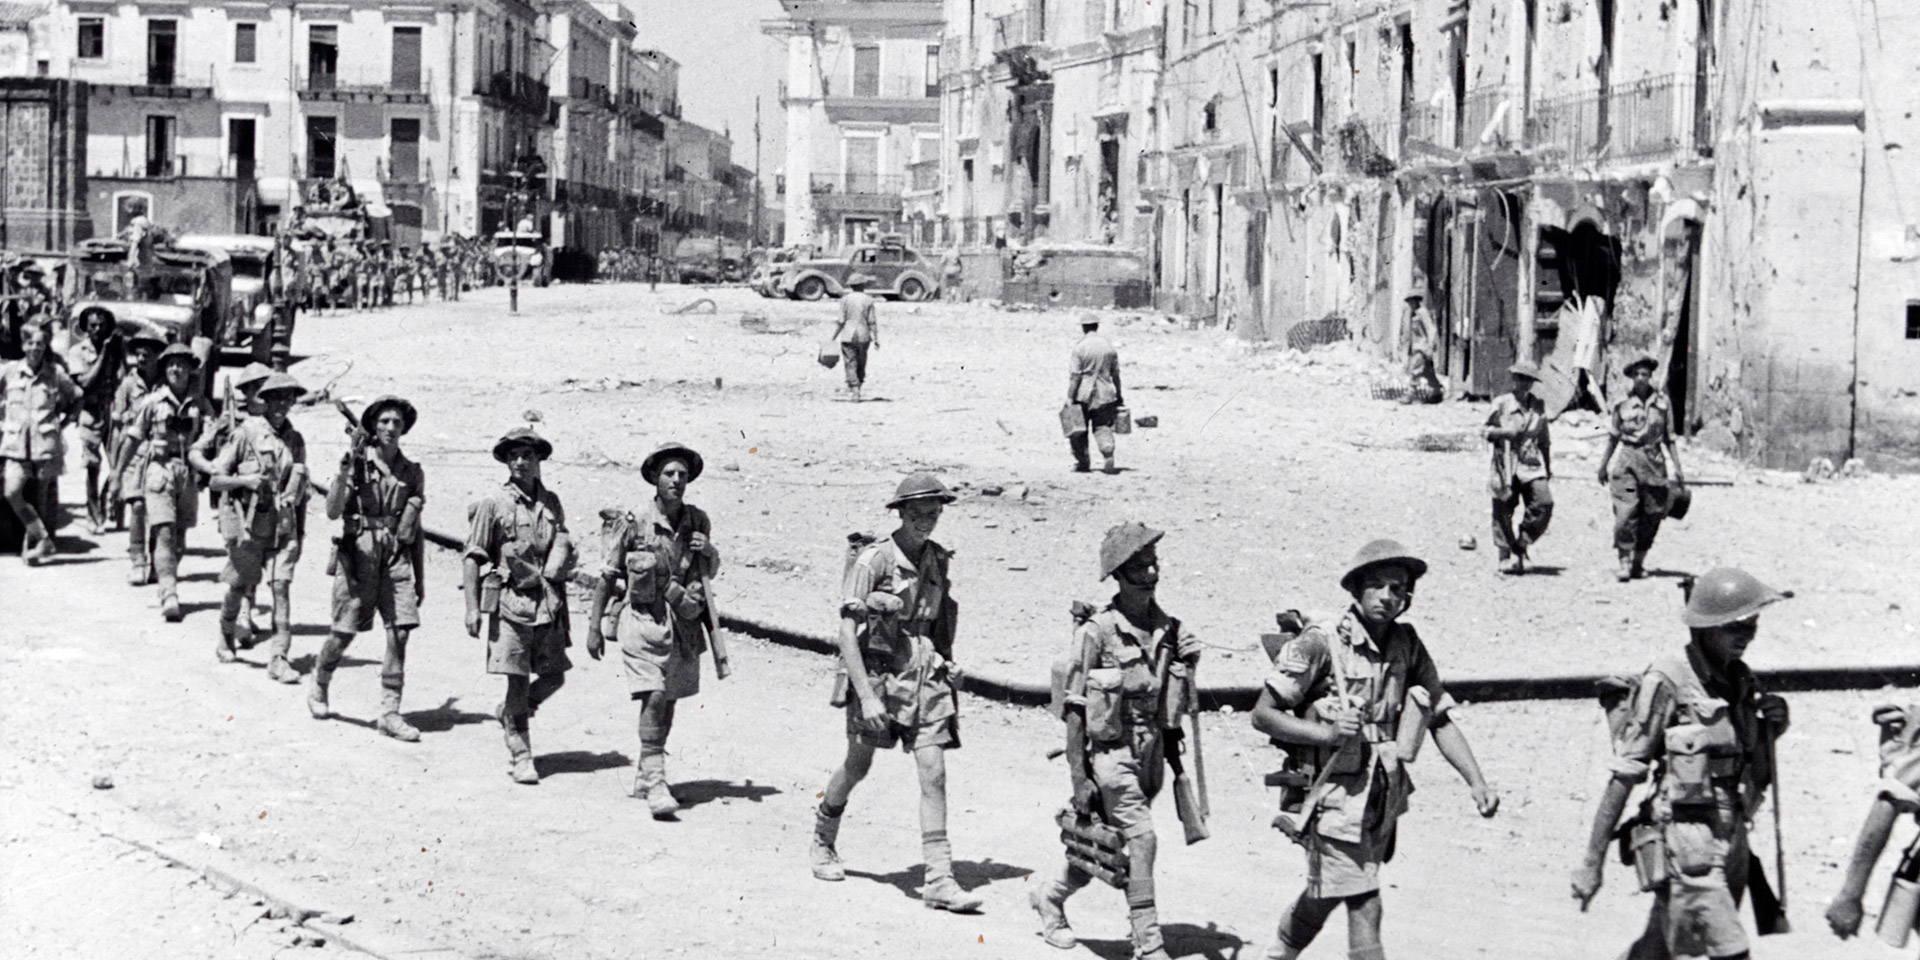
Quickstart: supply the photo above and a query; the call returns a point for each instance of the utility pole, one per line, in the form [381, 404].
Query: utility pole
[519, 175]
[754, 214]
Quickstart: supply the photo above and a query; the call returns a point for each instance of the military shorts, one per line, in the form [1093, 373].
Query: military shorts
[248, 560]
[170, 494]
[363, 586]
[661, 653]
[1117, 768]
[521, 650]
[918, 715]
[38, 471]
[92, 442]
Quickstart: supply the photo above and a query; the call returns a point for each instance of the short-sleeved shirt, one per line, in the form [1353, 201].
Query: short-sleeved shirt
[1093, 372]
[127, 396]
[1530, 451]
[1645, 426]
[36, 405]
[96, 397]
[857, 321]
[513, 525]
[1109, 641]
[895, 640]
[167, 426]
[1378, 675]
[652, 548]
[389, 488]
[1683, 688]
[256, 448]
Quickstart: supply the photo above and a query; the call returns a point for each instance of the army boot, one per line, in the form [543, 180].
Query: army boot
[41, 548]
[392, 723]
[1625, 572]
[1639, 568]
[1049, 900]
[520, 751]
[826, 832]
[651, 783]
[323, 664]
[942, 892]
[224, 650]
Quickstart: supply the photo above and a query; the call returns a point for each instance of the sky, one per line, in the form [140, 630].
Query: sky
[725, 61]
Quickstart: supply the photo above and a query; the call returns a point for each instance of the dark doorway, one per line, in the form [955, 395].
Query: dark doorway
[240, 158]
[160, 158]
[322, 133]
[162, 48]
[403, 150]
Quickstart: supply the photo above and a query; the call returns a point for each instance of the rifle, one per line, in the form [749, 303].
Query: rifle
[343, 545]
[722, 663]
[1173, 705]
[1769, 910]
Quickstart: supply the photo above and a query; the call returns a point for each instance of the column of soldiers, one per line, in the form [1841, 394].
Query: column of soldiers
[1350, 701]
[361, 274]
[621, 265]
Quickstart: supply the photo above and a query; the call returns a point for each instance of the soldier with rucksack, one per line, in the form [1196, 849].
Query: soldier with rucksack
[897, 623]
[1696, 722]
[1127, 681]
[1351, 705]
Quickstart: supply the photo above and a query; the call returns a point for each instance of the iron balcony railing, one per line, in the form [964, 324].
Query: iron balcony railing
[873, 184]
[1647, 118]
[363, 82]
[893, 88]
[1477, 112]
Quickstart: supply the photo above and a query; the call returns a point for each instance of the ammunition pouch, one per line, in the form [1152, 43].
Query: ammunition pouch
[1118, 698]
[1698, 756]
[644, 576]
[1645, 848]
[1093, 846]
[490, 585]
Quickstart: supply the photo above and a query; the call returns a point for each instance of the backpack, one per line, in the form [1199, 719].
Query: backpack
[857, 544]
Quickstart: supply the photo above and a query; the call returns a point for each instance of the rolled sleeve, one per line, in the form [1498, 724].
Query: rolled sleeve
[1642, 739]
[859, 582]
[1903, 797]
[1085, 651]
[483, 533]
[1298, 668]
[615, 564]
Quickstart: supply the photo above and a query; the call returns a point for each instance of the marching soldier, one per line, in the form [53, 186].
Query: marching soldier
[220, 431]
[1093, 383]
[96, 362]
[163, 428]
[1641, 430]
[897, 619]
[124, 483]
[261, 474]
[1522, 465]
[666, 557]
[1352, 705]
[1113, 710]
[1697, 723]
[519, 534]
[38, 400]
[377, 566]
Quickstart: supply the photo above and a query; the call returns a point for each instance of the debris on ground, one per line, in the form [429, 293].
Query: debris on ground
[704, 305]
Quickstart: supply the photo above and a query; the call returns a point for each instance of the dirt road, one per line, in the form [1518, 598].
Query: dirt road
[434, 840]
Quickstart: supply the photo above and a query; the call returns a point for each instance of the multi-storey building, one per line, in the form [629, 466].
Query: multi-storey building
[862, 97]
[588, 204]
[650, 100]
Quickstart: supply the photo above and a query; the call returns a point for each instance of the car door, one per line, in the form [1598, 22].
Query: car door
[861, 260]
[887, 266]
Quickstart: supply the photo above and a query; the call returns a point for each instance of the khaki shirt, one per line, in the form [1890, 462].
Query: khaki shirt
[896, 642]
[510, 525]
[1093, 372]
[1113, 660]
[167, 426]
[858, 322]
[1530, 459]
[36, 406]
[1683, 689]
[1644, 426]
[256, 449]
[650, 553]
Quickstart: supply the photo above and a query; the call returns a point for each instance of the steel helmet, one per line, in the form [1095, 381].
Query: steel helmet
[1377, 553]
[1123, 542]
[921, 486]
[1726, 595]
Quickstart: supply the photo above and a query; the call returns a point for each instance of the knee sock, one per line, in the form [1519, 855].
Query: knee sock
[826, 824]
[1143, 915]
[937, 851]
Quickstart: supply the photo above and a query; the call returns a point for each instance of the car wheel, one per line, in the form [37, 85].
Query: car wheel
[811, 288]
[912, 289]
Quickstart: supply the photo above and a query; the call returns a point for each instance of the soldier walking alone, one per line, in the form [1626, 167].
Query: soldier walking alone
[377, 564]
[666, 558]
[1522, 466]
[897, 619]
[1115, 728]
[1641, 431]
[1696, 722]
[1093, 382]
[519, 535]
[859, 329]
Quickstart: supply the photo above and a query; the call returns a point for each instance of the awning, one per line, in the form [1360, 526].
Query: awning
[275, 190]
[373, 198]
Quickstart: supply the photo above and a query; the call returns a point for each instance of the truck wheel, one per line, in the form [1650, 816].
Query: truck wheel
[811, 288]
[912, 289]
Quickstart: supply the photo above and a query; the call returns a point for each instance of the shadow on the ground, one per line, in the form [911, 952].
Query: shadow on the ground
[445, 717]
[580, 761]
[207, 576]
[305, 663]
[189, 609]
[1543, 570]
[1183, 940]
[221, 553]
[66, 558]
[970, 874]
[693, 793]
[73, 545]
[1666, 574]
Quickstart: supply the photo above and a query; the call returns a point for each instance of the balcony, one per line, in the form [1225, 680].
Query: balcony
[582, 91]
[866, 184]
[1647, 119]
[515, 91]
[362, 87]
[924, 175]
[1478, 110]
[886, 100]
[164, 81]
[1427, 124]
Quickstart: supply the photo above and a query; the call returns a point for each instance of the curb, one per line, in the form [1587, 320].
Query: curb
[1243, 698]
[285, 896]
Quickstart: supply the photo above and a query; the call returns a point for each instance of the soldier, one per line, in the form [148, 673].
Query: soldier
[1093, 383]
[859, 329]
[1641, 429]
[123, 486]
[207, 449]
[38, 400]
[1522, 465]
[377, 566]
[897, 619]
[163, 428]
[1698, 723]
[1114, 728]
[520, 533]
[666, 558]
[96, 363]
[1352, 705]
[261, 474]
[1897, 794]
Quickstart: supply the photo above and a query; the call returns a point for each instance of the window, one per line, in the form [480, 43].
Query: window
[403, 150]
[406, 59]
[93, 39]
[245, 42]
[160, 159]
[1319, 100]
[162, 44]
[322, 134]
[240, 156]
[323, 57]
[933, 70]
[866, 71]
[1913, 319]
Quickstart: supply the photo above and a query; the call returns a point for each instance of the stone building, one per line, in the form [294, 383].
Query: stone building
[862, 97]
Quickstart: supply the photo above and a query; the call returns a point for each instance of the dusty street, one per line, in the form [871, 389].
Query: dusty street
[1267, 473]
